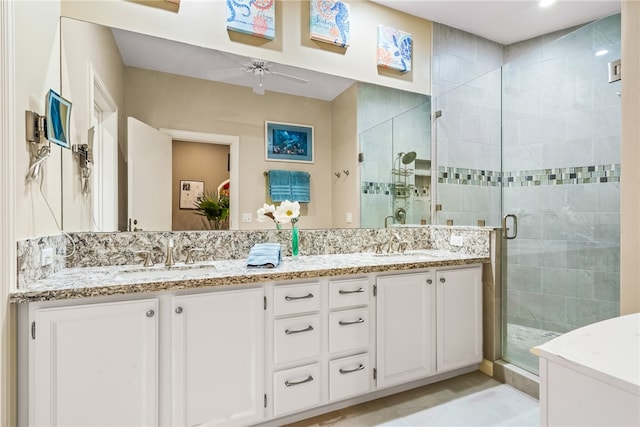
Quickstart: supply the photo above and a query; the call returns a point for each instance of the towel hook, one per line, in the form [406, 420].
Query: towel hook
[346, 171]
[337, 174]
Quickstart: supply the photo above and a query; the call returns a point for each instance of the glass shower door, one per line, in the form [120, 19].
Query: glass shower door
[561, 178]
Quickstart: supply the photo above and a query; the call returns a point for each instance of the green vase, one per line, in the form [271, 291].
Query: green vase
[295, 240]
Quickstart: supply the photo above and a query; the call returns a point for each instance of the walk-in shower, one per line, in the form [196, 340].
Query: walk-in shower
[539, 139]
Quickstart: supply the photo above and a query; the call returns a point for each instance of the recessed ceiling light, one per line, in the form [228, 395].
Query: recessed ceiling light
[602, 52]
[545, 3]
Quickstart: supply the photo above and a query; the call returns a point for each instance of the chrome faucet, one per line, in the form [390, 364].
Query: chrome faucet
[386, 225]
[191, 255]
[170, 247]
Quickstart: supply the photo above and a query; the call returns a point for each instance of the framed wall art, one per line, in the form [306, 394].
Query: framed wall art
[189, 193]
[394, 49]
[330, 22]
[253, 17]
[288, 142]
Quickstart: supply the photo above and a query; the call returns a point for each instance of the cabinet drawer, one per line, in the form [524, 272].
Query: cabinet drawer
[293, 299]
[296, 338]
[296, 389]
[348, 293]
[349, 376]
[348, 330]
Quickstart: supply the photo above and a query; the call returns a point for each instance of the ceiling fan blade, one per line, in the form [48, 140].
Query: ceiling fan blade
[289, 76]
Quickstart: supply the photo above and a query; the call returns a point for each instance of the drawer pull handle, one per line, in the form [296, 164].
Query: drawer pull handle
[348, 371]
[288, 298]
[292, 383]
[345, 323]
[357, 291]
[290, 332]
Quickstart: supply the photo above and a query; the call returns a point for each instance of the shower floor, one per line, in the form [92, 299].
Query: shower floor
[520, 340]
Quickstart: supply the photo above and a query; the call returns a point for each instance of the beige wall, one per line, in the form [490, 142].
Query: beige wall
[344, 153]
[173, 102]
[37, 69]
[630, 181]
[86, 45]
[194, 161]
[203, 23]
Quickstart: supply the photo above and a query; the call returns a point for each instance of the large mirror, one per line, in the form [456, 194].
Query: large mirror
[166, 120]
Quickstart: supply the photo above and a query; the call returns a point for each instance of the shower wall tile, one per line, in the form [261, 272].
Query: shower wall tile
[568, 282]
[581, 312]
[524, 278]
[606, 286]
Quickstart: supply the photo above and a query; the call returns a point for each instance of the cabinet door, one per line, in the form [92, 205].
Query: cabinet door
[217, 358]
[96, 365]
[459, 318]
[405, 328]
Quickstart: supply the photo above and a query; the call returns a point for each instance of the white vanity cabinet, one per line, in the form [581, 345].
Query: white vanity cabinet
[217, 358]
[428, 323]
[406, 327]
[459, 318]
[94, 364]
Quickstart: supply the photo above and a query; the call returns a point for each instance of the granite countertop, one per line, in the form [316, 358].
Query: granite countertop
[133, 279]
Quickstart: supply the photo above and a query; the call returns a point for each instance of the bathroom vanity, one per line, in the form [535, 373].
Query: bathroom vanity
[223, 344]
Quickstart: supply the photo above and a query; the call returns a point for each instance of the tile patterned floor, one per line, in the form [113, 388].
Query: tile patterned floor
[473, 399]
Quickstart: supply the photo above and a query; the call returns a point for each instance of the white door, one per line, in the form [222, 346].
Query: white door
[149, 177]
[95, 364]
[405, 328]
[459, 318]
[218, 358]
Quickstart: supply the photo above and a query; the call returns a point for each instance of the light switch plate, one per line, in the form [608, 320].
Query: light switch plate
[46, 257]
[349, 218]
[246, 217]
[456, 240]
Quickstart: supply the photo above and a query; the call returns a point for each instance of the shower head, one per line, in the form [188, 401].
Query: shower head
[408, 157]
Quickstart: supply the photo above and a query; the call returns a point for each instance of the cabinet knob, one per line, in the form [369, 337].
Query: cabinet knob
[151, 313]
[178, 310]
[442, 280]
[429, 281]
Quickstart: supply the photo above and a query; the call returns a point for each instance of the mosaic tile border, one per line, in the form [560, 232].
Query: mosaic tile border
[528, 178]
[452, 175]
[561, 176]
[387, 188]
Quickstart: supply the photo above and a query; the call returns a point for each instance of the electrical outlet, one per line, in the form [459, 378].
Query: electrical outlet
[246, 217]
[349, 218]
[46, 256]
[456, 240]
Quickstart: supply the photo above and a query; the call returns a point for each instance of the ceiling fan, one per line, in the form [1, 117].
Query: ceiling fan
[259, 69]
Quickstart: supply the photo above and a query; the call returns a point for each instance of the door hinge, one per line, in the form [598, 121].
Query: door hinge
[33, 330]
[265, 400]
[265, 303]
[375, 290]
[375, 373]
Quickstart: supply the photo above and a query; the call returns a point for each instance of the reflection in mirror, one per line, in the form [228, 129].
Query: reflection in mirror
[221, 101]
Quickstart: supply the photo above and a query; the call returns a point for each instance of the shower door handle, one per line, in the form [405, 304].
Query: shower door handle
[506, 229]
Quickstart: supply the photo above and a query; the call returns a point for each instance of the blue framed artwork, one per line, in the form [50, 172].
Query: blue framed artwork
[394, 49]
[330, 22]
[287, 142]
[253, 17]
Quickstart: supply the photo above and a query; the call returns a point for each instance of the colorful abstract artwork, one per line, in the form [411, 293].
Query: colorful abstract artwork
[253, 17]
[394, 49]
[330, 21]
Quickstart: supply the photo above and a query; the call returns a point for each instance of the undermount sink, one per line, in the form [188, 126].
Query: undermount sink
[164, 272]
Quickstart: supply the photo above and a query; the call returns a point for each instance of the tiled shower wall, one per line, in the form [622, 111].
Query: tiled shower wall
[562, 172]
[466, 89]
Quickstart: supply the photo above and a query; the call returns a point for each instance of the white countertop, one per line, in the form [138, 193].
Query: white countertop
[610, 347]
